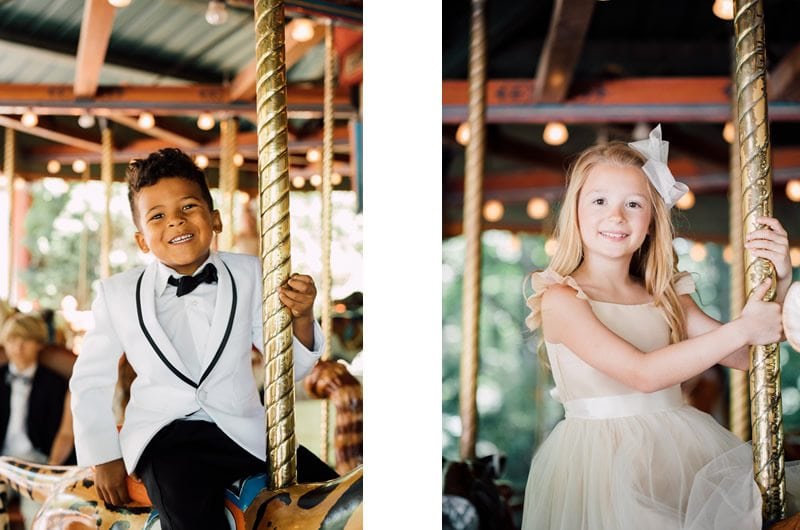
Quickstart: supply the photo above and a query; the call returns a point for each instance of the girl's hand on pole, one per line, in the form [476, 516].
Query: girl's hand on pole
[761, 320]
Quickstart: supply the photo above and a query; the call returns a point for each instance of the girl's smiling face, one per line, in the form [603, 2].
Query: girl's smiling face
[175, 223]
[614, 211]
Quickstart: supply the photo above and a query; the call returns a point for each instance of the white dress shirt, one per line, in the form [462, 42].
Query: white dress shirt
[17, 442]
[186, 320]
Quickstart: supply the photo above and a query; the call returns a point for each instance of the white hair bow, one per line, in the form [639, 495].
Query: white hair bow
[655, 150]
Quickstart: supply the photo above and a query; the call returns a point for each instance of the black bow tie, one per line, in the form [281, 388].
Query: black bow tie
[187, 284]
[11, 377]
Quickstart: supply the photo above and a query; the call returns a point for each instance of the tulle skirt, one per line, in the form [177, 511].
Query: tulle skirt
[672, 469]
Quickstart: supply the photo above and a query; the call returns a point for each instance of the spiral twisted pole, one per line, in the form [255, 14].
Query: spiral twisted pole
[228, 181]
[9, 161]
[107, 176]
[327, 204]
[739, 388]
[754, 144]
[473, 198]
[273, 183]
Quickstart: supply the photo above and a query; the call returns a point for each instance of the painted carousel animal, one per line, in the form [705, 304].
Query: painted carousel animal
[70, 500]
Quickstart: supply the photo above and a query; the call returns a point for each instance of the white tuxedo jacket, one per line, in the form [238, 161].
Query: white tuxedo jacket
[125, 321]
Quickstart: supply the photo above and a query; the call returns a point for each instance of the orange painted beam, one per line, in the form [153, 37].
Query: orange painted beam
[98, 19]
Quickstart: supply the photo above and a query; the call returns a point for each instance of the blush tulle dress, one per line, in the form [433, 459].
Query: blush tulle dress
[623, 459]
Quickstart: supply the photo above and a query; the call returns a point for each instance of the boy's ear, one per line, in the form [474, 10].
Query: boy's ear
[141, 243]
[216, 221]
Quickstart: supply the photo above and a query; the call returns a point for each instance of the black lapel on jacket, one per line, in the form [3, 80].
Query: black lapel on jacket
[161, 355]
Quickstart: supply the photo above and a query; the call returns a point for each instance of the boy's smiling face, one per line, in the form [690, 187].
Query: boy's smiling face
[175, 223]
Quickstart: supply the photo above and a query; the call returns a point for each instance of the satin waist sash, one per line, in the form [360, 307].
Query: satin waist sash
[606, 407]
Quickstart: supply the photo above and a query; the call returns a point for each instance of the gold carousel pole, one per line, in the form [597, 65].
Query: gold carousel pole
[273, 184]
[327, 170]
[473, 197]
[228, 181]
[9, 170]
[107, 176]
[739, 403]
[756, 173]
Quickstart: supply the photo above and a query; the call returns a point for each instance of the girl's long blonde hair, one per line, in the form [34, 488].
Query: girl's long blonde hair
[654, 263]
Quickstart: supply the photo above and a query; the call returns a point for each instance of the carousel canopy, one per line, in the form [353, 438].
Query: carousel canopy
[612, 70]
[150, 69]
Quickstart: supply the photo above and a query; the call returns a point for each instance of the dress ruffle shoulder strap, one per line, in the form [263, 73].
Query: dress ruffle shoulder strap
[684, 283]
[540, 281]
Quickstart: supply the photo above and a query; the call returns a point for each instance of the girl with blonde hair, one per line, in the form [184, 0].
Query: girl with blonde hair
[621, 333]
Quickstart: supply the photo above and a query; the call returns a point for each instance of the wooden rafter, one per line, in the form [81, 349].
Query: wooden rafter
[160, 100]
[562, 49]
[672, 99]
[54, 136]
[243, 86]
[98, 20]
[156, 132]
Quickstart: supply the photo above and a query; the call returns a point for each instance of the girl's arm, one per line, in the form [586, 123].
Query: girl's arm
[699, 323]
[64, 440]
[569, 320]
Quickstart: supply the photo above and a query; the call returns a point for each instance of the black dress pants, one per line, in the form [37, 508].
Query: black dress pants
[187, 465]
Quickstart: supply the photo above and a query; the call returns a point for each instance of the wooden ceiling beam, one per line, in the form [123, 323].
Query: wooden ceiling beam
[53, 136]
[247, 144]
[160, 100]
[562, 49]
[156, 132]
[98, 20]
[243, 86]
[697, 99]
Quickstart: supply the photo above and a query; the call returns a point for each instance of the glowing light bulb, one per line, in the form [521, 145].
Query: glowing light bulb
[723, 9]
[201, 161]
[462, 134]
[238, 159]
[146, 120]
[86, 121]
[538, 208]
[793, 190]
[728, 132]
[493, 210]
[29, 119]
[336, 178]
[314, 155]
[205, 121]
[53, 167]
[316, 179]
[120, 3]
[555, 133]
[79, 166]
[302, 30]
[698, 252]
[550, 246]
[298, 181]
[727, 254]
[686, 202]
[216, 13]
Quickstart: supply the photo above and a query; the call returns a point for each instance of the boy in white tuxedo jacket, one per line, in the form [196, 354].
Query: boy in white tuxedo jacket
[187, 321]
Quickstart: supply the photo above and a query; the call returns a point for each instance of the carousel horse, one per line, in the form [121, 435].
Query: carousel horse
[331, 380]
[70, 501]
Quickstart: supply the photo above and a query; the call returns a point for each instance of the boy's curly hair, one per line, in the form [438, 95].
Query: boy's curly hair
[164, 163]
